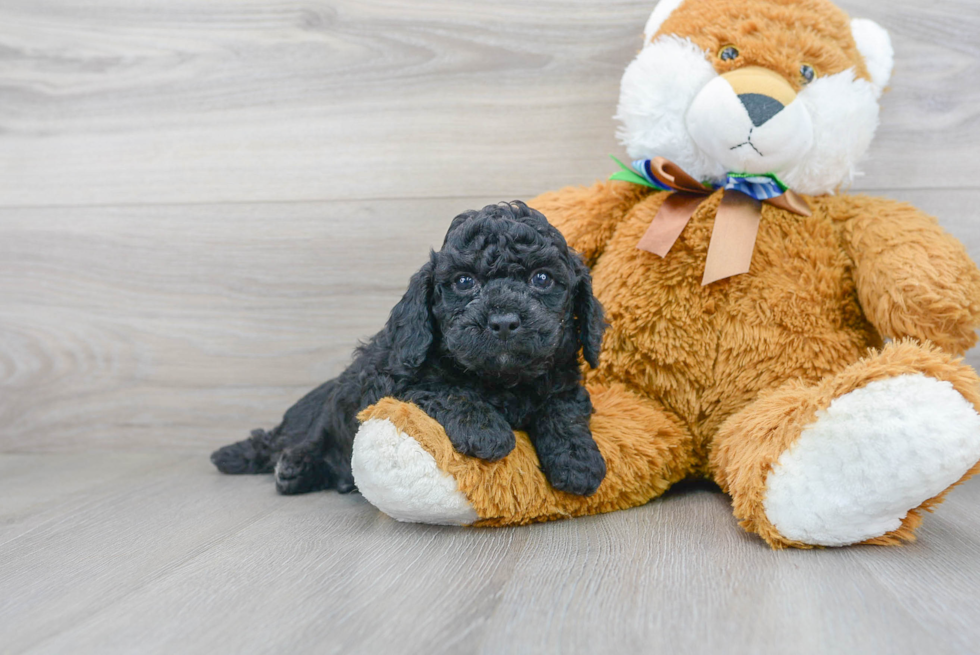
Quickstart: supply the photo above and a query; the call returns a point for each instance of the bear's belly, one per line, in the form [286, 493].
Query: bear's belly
[706, 352]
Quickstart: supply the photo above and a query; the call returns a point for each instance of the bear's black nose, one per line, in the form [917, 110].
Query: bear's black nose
[761, 108]
[503, 325]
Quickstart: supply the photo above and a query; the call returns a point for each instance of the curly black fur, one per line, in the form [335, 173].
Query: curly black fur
[485, 341]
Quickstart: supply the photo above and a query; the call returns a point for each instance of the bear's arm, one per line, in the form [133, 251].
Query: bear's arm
[588, 216]
[913, 279]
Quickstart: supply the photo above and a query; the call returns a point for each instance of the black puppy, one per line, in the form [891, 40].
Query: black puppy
[485, 341]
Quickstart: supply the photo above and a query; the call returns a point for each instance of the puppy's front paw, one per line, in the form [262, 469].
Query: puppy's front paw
[576, 468]
[482, 433]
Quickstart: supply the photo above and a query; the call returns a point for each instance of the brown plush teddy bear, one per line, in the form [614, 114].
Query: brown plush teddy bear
[792, 343]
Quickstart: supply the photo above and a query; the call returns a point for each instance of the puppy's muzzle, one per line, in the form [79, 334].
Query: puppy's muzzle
[504, 326]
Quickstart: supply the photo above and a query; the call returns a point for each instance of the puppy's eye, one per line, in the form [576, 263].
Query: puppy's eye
[728, 53]
[464, 282]
[806, 70]
[541, 280]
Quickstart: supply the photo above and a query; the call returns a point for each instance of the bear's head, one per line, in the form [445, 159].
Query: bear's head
[783, 87]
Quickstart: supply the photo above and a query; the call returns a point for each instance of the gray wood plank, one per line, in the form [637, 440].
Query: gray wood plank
[120, 537]
[679, 576]
[185, 560]
[128, 327]
[168, 327]
[33, 495]
[271, 100]
[203, 205]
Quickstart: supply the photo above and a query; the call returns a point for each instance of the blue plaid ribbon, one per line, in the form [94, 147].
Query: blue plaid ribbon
[760, 187]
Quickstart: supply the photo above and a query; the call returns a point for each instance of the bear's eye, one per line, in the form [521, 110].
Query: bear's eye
[541, 280]
[728, 53]
[806, 70]
[464, 282]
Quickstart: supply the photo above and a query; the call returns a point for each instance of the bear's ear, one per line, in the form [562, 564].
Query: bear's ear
[875, 46]
[661, 12]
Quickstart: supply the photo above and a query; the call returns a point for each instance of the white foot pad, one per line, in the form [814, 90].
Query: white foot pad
[869, 458]
[396, 475]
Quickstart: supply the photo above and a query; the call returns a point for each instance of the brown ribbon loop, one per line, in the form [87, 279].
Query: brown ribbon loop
[676, 178]
[677, 209]
[736, 223]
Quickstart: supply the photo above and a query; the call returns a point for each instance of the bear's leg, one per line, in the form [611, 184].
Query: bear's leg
[404, 464]
[856, 457]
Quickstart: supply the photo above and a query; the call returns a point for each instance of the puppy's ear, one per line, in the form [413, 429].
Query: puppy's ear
[589, 323]
[409, 330]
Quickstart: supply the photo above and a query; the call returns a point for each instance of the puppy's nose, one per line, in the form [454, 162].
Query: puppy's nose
[503, 325]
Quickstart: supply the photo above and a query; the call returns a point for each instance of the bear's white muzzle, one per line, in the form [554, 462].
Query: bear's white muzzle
[751, 121]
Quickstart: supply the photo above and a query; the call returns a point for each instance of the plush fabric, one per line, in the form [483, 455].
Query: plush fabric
[779, 384]
[394, 471]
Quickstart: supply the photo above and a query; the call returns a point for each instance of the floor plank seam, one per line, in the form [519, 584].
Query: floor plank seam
[166, 571]
[884, 191]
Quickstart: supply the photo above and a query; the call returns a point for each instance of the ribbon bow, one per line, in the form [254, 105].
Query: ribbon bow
[737, 220]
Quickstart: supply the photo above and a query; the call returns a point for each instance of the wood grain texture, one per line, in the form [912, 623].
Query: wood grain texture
[204, 204]
[177, 558]
[115, 102]
[173, 327]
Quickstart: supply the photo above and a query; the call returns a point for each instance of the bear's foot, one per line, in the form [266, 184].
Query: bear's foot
[872, 456]
[857, 457]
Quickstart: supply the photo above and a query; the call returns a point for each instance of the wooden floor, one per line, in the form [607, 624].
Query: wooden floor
[204, 204]
[155, 553]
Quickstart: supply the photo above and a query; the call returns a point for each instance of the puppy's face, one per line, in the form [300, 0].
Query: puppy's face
[504, 294]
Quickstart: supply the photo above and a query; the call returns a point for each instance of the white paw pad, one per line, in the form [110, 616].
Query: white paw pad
[396, 475]
[869, 458]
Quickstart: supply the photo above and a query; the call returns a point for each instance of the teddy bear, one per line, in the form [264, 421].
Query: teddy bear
[797, 345]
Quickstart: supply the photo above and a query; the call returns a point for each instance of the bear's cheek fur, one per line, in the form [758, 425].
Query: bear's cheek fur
[716, 347]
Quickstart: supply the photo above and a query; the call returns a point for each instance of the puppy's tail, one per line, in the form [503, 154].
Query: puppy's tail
[253, 455]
